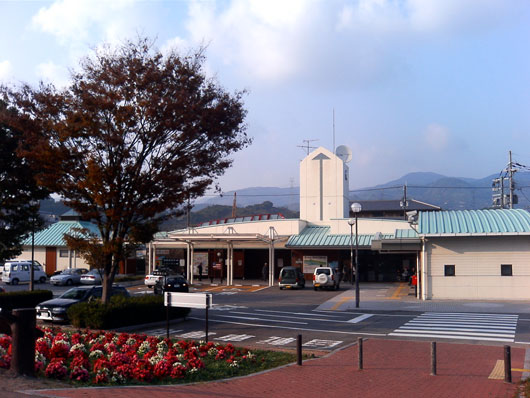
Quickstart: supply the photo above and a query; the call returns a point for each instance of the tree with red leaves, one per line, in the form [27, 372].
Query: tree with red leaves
[135, 135]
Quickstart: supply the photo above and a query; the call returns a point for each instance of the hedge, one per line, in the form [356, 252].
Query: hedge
[23, 299]
[122, 311]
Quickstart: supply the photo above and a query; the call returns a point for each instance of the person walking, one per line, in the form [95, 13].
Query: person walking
[199, 267]
[265, 271]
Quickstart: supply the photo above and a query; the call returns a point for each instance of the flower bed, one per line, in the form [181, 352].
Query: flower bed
[122, 358]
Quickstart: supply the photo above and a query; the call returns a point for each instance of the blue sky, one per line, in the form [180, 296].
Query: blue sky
[417, 85]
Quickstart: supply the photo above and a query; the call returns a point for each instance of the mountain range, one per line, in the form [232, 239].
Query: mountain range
[450, 193]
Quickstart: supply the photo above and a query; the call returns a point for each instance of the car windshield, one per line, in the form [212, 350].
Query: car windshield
[74, 294]
[326, 271]
[289, 273]
[67, 272]
[93, 272]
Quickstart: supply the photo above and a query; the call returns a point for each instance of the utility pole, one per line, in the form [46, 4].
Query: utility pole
[234, 205]
[404, 203]
[510, 176]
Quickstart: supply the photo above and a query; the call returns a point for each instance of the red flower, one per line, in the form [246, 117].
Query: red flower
[195, 364]
[56, 369]
[79, 360]
[59, 350]
[178, 372]
[79, 374]
[163, 369]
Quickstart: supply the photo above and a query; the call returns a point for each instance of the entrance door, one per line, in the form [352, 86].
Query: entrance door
[239, 264]
[51, 260]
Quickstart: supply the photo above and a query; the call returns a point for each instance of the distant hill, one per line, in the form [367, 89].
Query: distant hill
[216, 212]
[450, 193]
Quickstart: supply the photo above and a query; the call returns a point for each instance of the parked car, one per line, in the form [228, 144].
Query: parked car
[172, 284]
[291, 277]
[157, 276]
[92, 277]
[55, 309]
[17, 271]
[68, 277]
[326, 277]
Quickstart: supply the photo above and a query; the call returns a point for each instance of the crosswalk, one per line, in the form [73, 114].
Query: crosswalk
[461, 325]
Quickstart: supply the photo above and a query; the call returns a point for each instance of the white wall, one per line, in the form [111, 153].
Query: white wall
[62, 262]
[322, 200]
[477, 263]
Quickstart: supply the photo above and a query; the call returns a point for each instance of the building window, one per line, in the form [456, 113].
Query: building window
[63, 253]
[506, 270]
[449, 270]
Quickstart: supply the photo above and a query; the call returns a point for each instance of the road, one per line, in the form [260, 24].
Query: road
[265, 317]
[270, 317]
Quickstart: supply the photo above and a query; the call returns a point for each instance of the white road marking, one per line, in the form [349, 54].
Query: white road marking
[195, 335]
[259, 319]
[360, 318]
[289, 328]
[274, 340]
[292, 317]
[299, 313]
[322, 343]
[466, 326]
[235, 337]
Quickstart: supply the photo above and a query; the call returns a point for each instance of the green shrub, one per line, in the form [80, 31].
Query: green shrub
[23, 299]
[122, 311]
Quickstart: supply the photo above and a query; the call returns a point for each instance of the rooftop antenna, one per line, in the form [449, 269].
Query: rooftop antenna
[307, 145]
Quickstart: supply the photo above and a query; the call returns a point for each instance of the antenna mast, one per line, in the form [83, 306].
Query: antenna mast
[307, 145]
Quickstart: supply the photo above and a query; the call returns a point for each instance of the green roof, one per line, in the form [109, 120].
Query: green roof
[53, 235]
[317, 236]
[474, 222]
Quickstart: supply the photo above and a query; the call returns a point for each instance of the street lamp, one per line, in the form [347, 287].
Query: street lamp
[31, 269]
[356, 209]
[351, 222]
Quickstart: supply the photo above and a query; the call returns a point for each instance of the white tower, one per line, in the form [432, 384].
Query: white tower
[324, 185]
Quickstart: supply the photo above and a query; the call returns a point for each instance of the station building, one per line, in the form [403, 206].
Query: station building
[466, 254]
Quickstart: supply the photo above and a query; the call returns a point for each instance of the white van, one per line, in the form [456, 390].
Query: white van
[18, 271]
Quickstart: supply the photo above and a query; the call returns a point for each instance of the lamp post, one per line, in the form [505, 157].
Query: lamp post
[356, 208]
[31, 268]
[351, 221]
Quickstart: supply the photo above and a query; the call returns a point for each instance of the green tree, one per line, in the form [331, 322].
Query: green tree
[19, 192]
[135, 134]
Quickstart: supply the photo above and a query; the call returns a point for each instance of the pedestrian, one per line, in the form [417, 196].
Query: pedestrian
[265, 271]
[199, 267]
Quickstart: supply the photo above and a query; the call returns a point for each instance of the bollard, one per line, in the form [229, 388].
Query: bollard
[433, 358]
[23, 341]
[360, 352]
[507, 364]
[299, 350]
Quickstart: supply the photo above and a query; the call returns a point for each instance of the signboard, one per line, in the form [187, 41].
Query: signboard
[312, 262]
[188, 300]
[200, 258]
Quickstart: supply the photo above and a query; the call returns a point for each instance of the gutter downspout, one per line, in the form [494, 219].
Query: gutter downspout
[423, 270]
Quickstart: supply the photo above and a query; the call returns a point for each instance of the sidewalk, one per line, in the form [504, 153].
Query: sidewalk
[396, 297]
[391, 369]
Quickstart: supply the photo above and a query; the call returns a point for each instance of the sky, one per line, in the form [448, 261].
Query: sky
[414, 85]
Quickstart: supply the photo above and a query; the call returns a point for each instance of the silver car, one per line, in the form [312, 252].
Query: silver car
[68, 277]
[92, 277]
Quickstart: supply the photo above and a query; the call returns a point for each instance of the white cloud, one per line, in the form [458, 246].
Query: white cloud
[74, 20]
[53, 73]
[327, 43]
[5, 70]
[437, 137]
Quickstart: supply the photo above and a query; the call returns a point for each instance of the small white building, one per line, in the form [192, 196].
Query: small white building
[475, 254]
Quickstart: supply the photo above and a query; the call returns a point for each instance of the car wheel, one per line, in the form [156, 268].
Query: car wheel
[69, 282]
[42, 279]
[14, 281]
[281, 287]
[316, 288]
